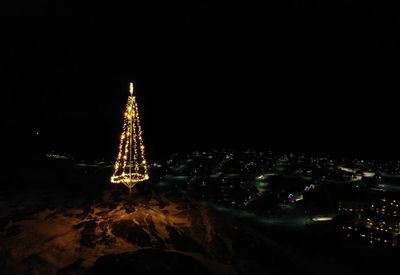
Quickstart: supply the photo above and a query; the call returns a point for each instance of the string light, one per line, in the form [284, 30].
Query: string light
[131, 166]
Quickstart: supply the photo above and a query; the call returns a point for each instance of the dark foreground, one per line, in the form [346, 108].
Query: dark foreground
[80, 224]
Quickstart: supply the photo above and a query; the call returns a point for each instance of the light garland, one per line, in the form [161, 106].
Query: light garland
[131, 166]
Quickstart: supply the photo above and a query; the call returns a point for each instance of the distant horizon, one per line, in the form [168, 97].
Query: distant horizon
[155, 155]
[299, 78]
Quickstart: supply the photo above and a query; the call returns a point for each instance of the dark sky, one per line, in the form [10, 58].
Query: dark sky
[300, 75]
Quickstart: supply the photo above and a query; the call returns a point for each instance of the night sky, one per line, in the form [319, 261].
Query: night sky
[303, 76]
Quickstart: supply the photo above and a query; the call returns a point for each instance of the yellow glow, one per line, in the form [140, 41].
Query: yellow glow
[322, 218]
[130, 167]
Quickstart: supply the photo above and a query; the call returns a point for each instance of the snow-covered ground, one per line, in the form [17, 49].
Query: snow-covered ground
[70, 237]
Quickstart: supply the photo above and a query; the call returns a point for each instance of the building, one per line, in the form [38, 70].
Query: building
[376, 222]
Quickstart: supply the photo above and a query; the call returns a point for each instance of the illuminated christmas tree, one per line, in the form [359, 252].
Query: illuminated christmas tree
[131, 167]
